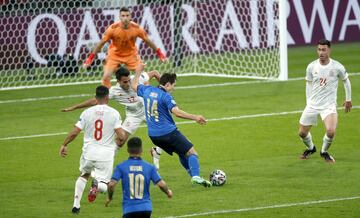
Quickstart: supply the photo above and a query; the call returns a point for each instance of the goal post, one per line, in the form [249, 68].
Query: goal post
[283, 73]
[44, 43]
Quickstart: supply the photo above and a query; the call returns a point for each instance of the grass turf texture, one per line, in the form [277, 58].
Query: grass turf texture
[259, 155]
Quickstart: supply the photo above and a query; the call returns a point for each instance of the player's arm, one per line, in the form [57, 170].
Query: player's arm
[70, 137]
[135, 82]
[92, 55]
[309, 81]
[347, 104]
[308, 90]
[88, 103]
[121, 137]
[163, 187]
[111, 189]
[182, 114]
[159, 53]
[154, 74]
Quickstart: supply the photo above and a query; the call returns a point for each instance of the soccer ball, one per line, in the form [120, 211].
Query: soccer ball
[217, 178]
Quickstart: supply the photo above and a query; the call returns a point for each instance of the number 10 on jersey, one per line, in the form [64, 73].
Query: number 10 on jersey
[136, 183]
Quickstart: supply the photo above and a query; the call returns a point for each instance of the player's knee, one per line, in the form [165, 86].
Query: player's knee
[85, 176]
[302, 134]
[191, 151]
[330, 133]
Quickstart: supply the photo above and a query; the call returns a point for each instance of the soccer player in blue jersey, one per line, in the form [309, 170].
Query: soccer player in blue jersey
[159, 104]
[135, 175]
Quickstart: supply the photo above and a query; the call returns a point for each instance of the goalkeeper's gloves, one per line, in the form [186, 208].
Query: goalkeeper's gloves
[89, 60]
[160, 54]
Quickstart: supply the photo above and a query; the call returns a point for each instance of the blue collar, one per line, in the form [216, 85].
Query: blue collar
[162, 88]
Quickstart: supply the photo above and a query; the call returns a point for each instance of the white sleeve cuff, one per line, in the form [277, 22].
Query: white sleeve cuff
[144, 78]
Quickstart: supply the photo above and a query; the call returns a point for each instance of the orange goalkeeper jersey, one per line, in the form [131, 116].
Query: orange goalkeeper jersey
[123, 40]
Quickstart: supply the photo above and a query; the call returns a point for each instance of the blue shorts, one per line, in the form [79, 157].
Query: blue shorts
[138, 214]
[173, 142]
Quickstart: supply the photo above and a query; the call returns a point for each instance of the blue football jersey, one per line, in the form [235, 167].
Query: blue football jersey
[135, 175]
[158, 104]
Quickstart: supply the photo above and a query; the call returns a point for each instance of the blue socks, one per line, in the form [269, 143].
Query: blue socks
[184, 162]
[191, 164]
[194, 165]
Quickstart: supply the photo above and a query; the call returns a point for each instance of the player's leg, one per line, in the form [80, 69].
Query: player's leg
[330, 122]
[179, 144]
[106, 79]
[193, 162]
[155, 153]
[80, 184]
[93, 190]
[185, 163]
[162, 143]
[194, 167]
[183, 147]
[111, 65]
[307, 120]
[132, 61]
[171, 143]
[130, 125]
[305, 135]
[102, 175]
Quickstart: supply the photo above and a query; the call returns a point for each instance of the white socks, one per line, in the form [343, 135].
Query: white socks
[79, 190]
[308, 141]
[102, 187]
[158, 150]
[326, 143]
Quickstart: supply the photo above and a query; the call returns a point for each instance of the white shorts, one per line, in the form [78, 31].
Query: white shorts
[100, 170]
[310, 115]
[131, 124]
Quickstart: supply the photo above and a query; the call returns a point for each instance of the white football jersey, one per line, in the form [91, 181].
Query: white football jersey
[324, 80]
[99, 123]
[134, 105]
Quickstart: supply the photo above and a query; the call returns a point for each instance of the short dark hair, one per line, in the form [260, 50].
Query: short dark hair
[125, 9]
[101, 92]
[324, 42]
[121, 72]
[134, 145]
[167, 78]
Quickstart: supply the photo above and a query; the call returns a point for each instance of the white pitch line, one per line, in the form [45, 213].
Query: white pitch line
[33, 136]
[179, 123]
[178, 88]
[266, 207]
[247, 82]
[43, 98]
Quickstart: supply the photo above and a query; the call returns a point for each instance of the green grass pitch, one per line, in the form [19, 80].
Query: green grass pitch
[258, 153]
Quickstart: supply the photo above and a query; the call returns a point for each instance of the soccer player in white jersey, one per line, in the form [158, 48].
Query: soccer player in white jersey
[322, 76]
[100, 124]
[134, 106]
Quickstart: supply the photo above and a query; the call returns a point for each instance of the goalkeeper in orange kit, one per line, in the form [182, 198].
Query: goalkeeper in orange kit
[122, 50]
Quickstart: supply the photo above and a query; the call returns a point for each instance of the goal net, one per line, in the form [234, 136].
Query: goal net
[45, 42]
